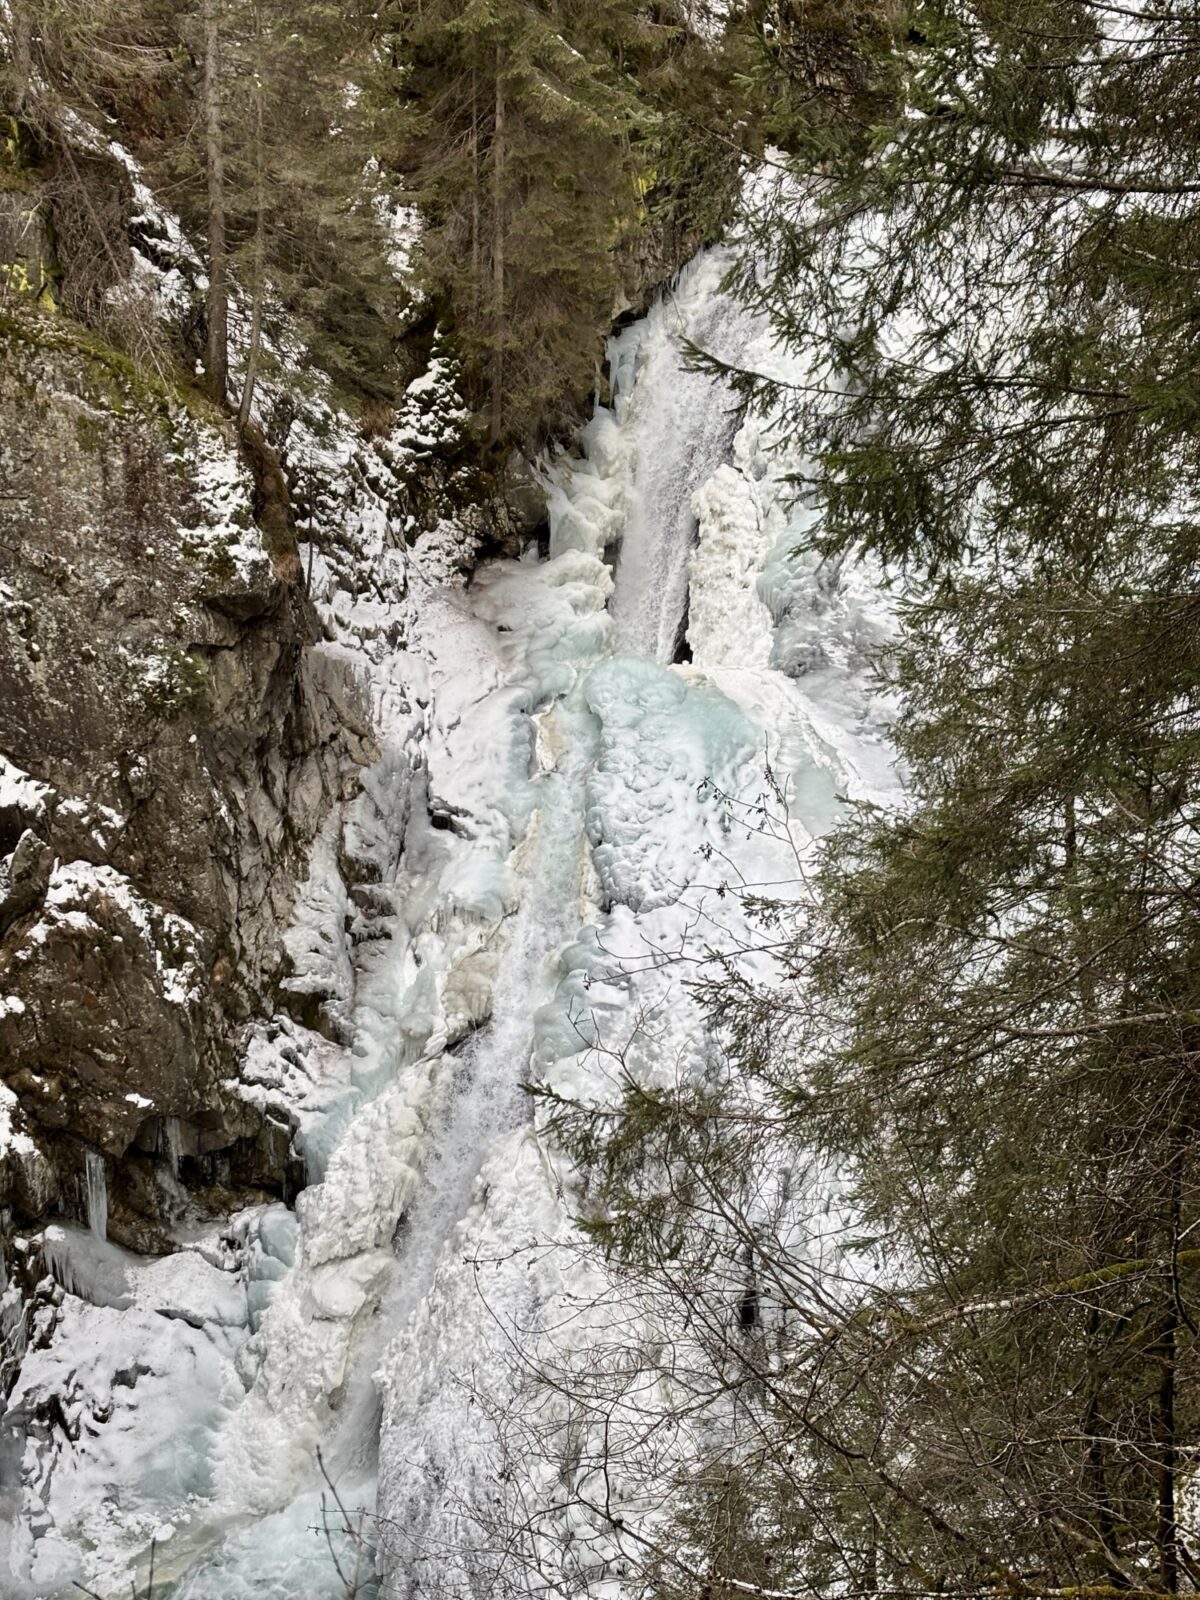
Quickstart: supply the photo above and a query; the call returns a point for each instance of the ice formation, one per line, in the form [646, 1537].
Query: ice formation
[97, 1194]
[575, 793]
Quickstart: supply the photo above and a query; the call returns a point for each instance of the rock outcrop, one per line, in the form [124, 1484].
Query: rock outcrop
[170, 744]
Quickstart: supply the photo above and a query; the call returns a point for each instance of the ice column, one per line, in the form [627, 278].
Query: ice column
[172, 1143]
[97, 1194]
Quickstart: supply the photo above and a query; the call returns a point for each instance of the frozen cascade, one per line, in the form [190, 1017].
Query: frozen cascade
[469, 1453]
[678, 423]
[479, 1097]
[579, 788]
[482, 1097]
[96, 1177]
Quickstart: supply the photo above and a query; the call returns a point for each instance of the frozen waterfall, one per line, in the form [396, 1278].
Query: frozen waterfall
[677, 425]
[583, 784]
[660, 758]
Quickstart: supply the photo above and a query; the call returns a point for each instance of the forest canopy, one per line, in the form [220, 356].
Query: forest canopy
[547, 165]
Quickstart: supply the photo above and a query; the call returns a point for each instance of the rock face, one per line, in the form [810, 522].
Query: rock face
[170, 744]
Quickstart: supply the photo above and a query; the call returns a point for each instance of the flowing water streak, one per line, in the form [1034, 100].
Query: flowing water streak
[482, 1096]
[484, 1100]
[172, 1144]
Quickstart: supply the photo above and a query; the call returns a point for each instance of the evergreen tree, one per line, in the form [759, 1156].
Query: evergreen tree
[250, 115]
[533, 134]
[559, 152]
[988, 249]
[513, 144]
[284, 153]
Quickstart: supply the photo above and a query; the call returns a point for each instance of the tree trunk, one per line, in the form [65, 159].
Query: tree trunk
[499, 328]
[22, 57]
[252, 354]
[1168, 1457]
[217, 355]
[1168, 1534]
[1097, 1470]
[475, 187]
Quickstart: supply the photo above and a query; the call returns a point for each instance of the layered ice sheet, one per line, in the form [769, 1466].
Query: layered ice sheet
[580, 811]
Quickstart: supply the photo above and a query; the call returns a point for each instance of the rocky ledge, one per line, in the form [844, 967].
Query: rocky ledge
[171, 743]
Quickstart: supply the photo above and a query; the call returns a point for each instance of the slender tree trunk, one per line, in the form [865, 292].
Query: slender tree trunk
[1168, 1458]
[1097, 1471]
[22, 56]
[475, 186]
[1096, 1466]
[252, 354]
[499, 327]
[217, 359]
[1168, 1533]
[870, 1578]
[256, 311]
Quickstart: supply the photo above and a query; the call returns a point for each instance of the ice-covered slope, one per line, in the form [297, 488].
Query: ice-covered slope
[573, 810]
[667, 765]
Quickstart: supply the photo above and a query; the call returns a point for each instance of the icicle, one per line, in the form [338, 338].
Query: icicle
[172, 1143]
[97, 1194]
[13, 1328]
